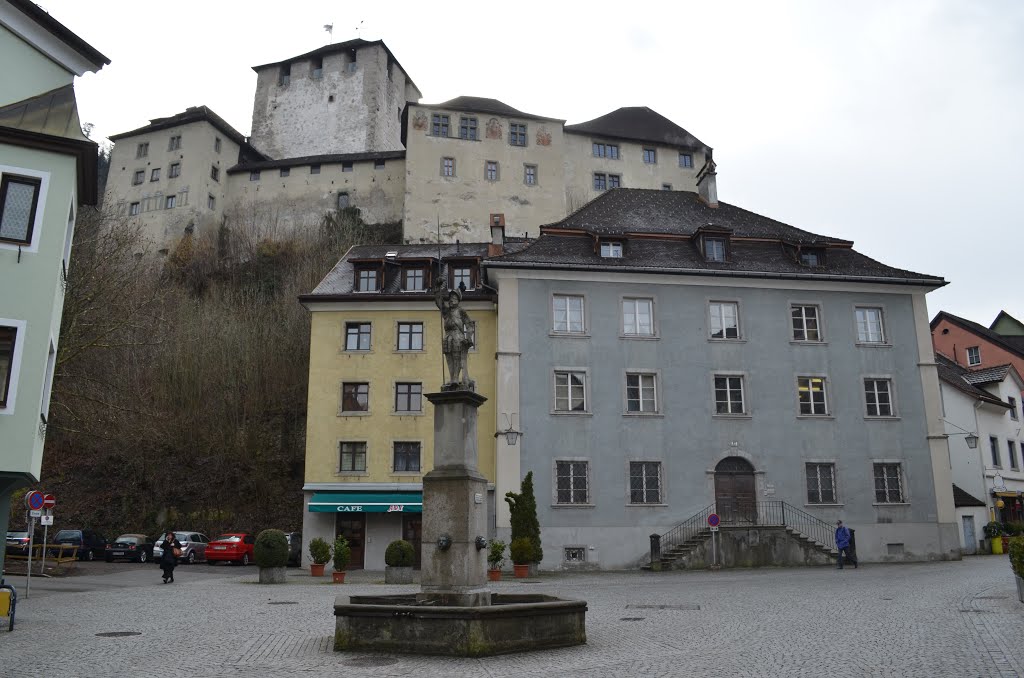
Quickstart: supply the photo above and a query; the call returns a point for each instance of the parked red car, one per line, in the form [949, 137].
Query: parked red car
[234, 547]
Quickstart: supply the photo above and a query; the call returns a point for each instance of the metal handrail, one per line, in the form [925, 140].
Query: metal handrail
[687, 529]
[775, 513]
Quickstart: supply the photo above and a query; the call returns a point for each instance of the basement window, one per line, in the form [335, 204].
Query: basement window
[575, 554]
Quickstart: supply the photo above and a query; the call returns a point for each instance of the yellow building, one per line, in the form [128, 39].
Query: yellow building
[375, 351]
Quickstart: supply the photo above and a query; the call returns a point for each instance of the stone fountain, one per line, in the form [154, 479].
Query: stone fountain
[455, 613]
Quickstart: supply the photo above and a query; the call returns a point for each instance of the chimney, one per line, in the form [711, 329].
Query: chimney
[497, 245]
[707, 184]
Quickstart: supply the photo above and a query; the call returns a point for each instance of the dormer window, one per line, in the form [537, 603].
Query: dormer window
[714, 249]
[611, 249]
[414, 280]
[367, 280]
[463, 276]
[812, 257]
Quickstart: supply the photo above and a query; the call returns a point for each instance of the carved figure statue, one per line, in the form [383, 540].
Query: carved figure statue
[459, 335]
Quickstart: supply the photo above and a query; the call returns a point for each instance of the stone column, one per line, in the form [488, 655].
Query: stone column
[454, 507]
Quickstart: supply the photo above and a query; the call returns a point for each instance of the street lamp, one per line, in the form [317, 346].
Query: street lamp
[510, 433]
[969, 437]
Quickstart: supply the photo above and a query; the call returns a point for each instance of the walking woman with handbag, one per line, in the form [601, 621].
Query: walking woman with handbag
[172, 551]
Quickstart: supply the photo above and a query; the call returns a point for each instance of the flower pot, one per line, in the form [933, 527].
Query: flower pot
[493, 575]
[521, 571]
[316, 569]
[338, 577]
[271, 575]
[398, 574]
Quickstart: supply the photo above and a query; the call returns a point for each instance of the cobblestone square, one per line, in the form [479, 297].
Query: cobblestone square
[927, 620]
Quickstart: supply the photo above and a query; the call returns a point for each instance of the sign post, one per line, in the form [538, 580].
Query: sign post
[34, 504]
[713, 522]
[49, 501]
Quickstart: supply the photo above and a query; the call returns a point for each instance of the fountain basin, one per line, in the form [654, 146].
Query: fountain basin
[511, 623]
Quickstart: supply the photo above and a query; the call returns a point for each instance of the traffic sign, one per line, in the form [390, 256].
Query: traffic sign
[35, 513]
[34, 500]
[713, 519]
[46, 520]
[49, 501]
[713, 529]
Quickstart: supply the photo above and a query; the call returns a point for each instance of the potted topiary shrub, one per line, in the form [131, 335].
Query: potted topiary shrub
[319, 553]
[522, 553]
[495, 559]
[1017, 563]
[271, 554]
[399, 558]
[342, 555]
[523, 512]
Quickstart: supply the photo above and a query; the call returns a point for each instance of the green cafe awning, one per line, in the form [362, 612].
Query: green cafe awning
[366, 502]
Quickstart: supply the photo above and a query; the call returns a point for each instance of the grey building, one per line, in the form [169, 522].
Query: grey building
[662, 352]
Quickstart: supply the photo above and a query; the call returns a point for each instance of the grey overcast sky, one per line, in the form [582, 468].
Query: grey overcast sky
[898, 125]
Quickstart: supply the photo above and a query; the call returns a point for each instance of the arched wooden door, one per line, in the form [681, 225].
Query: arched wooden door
[735, 496]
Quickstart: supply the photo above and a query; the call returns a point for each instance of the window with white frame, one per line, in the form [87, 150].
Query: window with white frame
[366, 280]
[645, 482]
[1013, 407]
[611, 249]
[530, 175]
[19, 200]
[973, 355]
[686, 160]
[408, 397]
[993, 444]
[878, 396]
[821, 483]
[170, 202]
[352, 457]
[870, 329]
[491, 170]
[414, 280]
[8, 339]
[572, 484]
[724, 320]
[410, 336]
[641, 393]
[447, 167]
[567, 314]
[407, 457]
[638, 317]
[729, 394]
[889, 484]
[714, 249]
[650, 156]
[357, 336]
[462, 277]
[1011, 450]
[805, 322]
[570, 391]
[812, 396]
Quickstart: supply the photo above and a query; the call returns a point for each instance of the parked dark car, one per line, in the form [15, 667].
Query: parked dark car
[137, 547]
[294, 548]
[193, 547]
[90, 544]
[17, 543]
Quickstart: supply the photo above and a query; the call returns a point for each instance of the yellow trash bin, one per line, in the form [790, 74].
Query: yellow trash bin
[997, 545]
[5, 602]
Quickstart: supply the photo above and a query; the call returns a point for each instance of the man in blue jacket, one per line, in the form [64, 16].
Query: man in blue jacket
[843, 544]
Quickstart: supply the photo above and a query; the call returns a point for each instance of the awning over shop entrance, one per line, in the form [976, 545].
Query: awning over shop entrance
[366, 502]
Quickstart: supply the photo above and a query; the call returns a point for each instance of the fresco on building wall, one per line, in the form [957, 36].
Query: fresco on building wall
[543, 136]
[494, 129]
[419, 121]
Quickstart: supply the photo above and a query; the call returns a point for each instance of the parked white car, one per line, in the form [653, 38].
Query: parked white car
[193, 547]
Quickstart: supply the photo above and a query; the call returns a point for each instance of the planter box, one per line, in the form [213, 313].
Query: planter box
[493, 575]
[397, 575]
[338, 577]
[272, 575]
[316, 569]
[521, 571]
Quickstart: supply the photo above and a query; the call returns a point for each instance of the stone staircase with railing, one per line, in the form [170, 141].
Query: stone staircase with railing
[688, 541]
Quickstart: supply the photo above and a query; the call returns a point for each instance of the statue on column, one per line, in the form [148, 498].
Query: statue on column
[459, 334]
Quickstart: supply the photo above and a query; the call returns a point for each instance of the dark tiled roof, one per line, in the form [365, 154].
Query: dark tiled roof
[339, 281]
[639, 123]
[962, 498]
[760, 247]
[59, 30]
[954, 375]
[190, 115]
[336, 47]
[987, 375]
[488, 106]
[316, 160]
[1013, 344]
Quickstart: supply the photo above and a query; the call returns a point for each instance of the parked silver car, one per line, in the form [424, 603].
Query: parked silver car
[193, 547]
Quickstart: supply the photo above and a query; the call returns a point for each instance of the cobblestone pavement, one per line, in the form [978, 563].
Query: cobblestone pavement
[942, 619]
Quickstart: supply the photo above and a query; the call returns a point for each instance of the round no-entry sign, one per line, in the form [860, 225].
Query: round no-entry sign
[49, 501]
[34, 500]
[713, 519]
